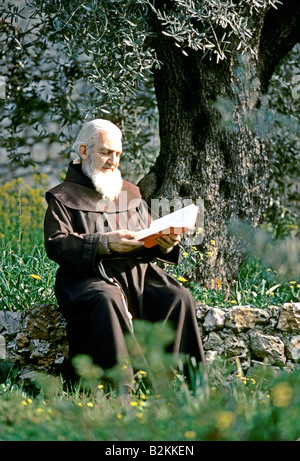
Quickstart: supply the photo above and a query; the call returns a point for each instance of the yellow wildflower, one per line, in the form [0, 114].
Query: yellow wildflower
[181, 279]
[212, 242]
[24, 402]
[224, 420]
[142, 372]
[34, 276]
[190, 434]
[90, 404]
[209, 254]
[134, 404]
[293, 282]
[282, 395]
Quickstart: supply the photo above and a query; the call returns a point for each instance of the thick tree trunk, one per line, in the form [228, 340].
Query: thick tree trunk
[199, 158]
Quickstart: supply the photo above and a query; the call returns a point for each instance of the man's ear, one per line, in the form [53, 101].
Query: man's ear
[83, 151]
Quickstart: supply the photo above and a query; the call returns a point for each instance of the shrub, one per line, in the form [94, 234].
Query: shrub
[22, 210]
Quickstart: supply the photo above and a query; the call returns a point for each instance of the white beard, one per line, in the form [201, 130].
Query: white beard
[108, 184]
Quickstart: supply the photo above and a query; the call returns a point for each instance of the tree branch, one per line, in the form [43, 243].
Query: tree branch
[280, 32]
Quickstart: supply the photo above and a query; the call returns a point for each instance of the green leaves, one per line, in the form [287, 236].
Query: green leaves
[67, 61]
[214, 27]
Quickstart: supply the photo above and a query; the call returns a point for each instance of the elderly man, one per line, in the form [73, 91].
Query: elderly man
[106, 277]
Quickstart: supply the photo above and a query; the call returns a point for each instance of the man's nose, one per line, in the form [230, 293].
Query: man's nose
[112, 159]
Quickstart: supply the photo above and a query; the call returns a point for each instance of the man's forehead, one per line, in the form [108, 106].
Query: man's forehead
[109, 140]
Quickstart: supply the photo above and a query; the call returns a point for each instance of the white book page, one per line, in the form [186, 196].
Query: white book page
[183, 218]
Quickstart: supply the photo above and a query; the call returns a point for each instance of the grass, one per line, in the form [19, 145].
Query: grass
[257, 285]
[26, 277]
[262, 407]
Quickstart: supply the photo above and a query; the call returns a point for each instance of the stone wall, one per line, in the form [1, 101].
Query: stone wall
[256, 336]
[35, 340]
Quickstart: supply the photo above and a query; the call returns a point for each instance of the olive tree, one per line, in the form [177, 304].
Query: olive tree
[210, 63]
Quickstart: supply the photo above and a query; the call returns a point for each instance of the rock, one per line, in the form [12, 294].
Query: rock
[10, 322]
[235, 347]
[201, 310]
[267, 347]
[214, 343]
[42, 320]
[22, 340]
[2, 348]
[41, 342]
[210, 356]
[293, 349]
[289, 317]
[244, 318]
[214, 319]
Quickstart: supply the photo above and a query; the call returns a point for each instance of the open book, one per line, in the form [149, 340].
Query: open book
[177, 222]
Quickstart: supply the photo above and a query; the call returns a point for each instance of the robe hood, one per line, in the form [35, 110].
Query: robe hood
[78, 192]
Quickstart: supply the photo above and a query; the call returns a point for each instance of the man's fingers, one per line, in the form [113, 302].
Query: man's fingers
[123, 241]
[168, 240]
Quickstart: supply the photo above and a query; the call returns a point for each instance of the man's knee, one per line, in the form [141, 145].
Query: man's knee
[110, 310]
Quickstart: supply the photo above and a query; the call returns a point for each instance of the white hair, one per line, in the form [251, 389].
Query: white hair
[89, 130]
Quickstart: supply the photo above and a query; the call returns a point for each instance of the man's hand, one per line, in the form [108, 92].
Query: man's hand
[123, 241]
[167, 242]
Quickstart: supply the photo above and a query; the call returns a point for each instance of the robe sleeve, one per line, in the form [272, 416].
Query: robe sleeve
[63, 245]
[74, 250]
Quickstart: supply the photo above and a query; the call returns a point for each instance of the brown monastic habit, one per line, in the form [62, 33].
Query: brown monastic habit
[98, 291]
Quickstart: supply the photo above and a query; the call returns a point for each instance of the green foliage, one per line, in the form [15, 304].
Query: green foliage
[211, 27]
[275, 119]
[228, 406]
[25, 279]
[257, 284]
[66, 61]
[26, 274]
[61, 73]
[39, 84]
[22, 211]
[284, 203]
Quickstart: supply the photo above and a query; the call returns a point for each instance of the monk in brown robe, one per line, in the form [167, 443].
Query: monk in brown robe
[106, 277]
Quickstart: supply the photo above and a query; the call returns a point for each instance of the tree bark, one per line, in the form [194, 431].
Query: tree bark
[280, 32]
[200, 158]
